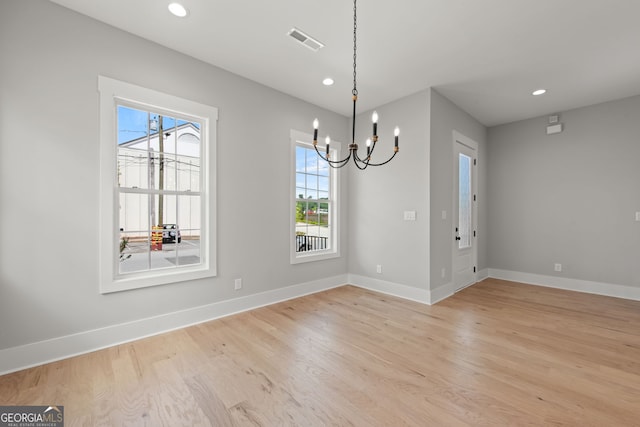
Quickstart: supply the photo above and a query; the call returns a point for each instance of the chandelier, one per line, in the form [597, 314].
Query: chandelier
[361, 163]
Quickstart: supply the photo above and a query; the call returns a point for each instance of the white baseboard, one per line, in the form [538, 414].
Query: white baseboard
[391, 288]
[34, 354]
[440, 293]
[598, 288]
[483, 274]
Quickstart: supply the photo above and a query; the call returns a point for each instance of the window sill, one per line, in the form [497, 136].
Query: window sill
[316, 256]
[146, 279]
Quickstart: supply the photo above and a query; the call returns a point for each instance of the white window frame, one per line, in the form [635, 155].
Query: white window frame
[306, 140]
[113, 92]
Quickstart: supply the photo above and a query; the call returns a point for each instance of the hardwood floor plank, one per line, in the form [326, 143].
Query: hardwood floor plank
[497, 353]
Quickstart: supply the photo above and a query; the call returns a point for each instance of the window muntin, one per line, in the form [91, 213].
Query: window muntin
[157, 187]
[314, 210]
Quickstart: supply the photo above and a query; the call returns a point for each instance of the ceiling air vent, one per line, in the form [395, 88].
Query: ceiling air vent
[305, 39]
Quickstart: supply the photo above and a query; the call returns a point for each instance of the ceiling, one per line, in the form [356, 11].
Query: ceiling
[487, 56]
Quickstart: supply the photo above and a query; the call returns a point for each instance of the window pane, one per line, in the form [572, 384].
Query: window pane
[464, 202]
[133, 160]
[189, 212]
[134, 242]
[166, 209]
[312, 182]
[188, 160]
[300, 209]
[188, 173]
[323, 184]
[164, 257]
[311, 162]
[134, 213]
[167, 177]
[300, 159]
[301, 181]
[133, 127]
[188, 140]
[324, 168]
[133, 168]
[323, 212]
[162, 137]
[134, 252]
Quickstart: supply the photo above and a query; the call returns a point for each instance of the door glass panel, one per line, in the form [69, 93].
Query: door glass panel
[464, 202]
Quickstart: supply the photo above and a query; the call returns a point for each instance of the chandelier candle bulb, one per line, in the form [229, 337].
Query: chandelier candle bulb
[396, 132]
[374, 119]
[315, 130]
[368, 147]
[327, 140]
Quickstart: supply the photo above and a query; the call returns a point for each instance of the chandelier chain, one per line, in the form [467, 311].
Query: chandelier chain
[355, 26]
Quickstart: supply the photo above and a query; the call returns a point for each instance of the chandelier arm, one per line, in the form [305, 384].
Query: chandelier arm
[373, 147]
[385, 162]
[332, 162]
[360, 164]
[344, 163]
[356, 157]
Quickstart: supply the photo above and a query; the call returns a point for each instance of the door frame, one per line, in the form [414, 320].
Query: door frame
[461, 139]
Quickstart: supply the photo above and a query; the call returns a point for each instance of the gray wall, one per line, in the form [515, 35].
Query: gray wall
[420, 179]
[51, 58]
[568, 198]
[445, 118]
[379, 196]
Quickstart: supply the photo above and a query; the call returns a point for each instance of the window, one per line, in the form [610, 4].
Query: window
[314, 223]
[157, 187]
[464, 201]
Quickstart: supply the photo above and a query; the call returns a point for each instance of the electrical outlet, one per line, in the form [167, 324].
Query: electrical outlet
[238, 284]
[443, 272]
[557, 267]
[379, 269]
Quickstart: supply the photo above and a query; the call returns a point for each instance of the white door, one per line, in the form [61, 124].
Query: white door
[465, 251]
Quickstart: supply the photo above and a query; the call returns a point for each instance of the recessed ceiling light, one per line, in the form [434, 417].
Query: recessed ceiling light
[539, 92]
[328, 81]
[178, 10]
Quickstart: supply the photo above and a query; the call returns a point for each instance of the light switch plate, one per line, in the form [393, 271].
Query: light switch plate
[409, 215]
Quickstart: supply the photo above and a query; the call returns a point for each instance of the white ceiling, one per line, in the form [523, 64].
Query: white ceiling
[487, 56]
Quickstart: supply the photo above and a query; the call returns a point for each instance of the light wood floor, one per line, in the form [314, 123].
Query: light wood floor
[495, 354]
